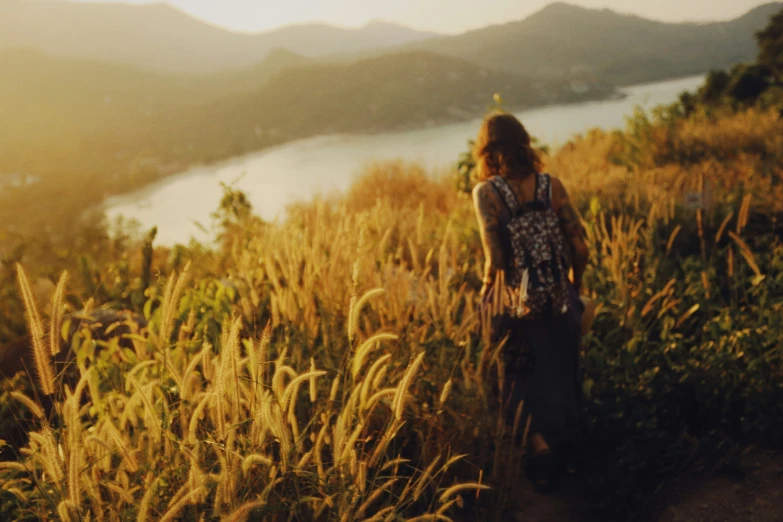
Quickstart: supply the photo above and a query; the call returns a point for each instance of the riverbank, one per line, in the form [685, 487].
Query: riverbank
[302, 169]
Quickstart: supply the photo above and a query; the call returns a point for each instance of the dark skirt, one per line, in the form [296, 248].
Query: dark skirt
[542, 369]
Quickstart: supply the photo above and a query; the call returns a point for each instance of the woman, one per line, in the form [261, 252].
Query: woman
[532, 239]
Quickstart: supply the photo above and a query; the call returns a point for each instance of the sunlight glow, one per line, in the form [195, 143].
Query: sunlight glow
[444, 16]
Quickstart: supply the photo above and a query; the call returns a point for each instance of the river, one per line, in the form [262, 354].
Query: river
[299, 170]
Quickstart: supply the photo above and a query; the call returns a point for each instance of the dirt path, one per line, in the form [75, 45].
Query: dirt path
[751, 493]
[754, 494]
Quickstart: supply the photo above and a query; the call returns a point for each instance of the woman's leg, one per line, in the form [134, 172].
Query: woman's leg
[551, 395]
[553, 389]
[519, 365]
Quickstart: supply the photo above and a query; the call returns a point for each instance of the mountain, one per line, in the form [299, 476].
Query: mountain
[62, 113]
[77, 114]
[393, 91]
[119, 126]
[161, 38]
[563, 39]
[321, 40]
[227, 83]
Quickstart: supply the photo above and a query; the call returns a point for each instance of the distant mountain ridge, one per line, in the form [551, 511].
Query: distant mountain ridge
[81, 105]
[105, 114]
[562, 39]
[161, 38]
[389, 92]
[559, 41]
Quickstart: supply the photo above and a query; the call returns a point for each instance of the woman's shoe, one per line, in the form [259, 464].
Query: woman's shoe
[542, 469]
[572, 458]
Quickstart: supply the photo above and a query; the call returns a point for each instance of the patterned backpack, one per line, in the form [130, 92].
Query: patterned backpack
[537, 274]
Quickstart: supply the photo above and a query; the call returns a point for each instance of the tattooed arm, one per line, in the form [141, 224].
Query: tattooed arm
[487, 206]
[572, 228]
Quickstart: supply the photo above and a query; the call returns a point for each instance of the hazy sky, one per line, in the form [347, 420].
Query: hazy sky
[447, 16]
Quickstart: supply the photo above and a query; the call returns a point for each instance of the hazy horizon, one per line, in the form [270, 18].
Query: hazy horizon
[464, 15]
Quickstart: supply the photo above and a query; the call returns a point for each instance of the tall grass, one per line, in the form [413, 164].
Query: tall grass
[336, 366]
[186, 428]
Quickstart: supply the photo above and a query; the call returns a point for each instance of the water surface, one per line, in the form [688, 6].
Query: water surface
[299, 170]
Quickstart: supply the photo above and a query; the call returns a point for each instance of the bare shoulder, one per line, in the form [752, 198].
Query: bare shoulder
[481, 188]
[487, 204]
[483, 193]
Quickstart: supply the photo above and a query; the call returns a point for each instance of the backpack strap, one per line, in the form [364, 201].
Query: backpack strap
[506, 194]
[544, 189]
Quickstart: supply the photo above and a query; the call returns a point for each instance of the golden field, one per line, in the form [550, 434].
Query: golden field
[335, 366]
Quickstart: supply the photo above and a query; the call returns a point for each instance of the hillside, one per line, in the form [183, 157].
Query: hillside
[112, 128]
[284, 97]
[562, 40]
[64, 114]
[161, 38]
[379, 94]
[339, 363]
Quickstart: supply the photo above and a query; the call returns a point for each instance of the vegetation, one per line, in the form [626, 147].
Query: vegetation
[336, 366]
[612, 47]
[412, 89]
[561, 40]
[745, 85]
[110, 128]
[771, 45]
[373, 370]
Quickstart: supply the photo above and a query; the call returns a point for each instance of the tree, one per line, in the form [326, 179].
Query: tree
[235, 219]
[748, 82]
[770, 42]
[688, 103]
[234, 207]
[714, 87]
[466, 166]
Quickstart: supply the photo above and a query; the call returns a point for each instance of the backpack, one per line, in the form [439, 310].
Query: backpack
[537, 269]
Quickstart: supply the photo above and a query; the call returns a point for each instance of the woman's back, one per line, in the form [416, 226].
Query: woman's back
[494, 215]
[526, 224]
[533, 246]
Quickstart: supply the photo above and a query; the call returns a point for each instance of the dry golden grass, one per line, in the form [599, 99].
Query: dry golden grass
[373, 339]
[222, 430]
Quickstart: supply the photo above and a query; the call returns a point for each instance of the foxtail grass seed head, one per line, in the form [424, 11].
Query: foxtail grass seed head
[366, 347]
[30, 404]
[444, 395]
[335, 389]
[42, 354]
[313, 389]
[402, 389]
[468, 486]
[56, 315]
[356, 309]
